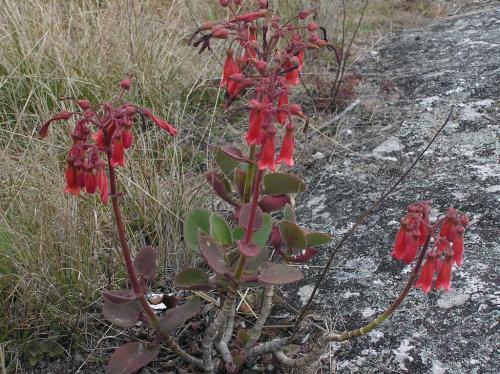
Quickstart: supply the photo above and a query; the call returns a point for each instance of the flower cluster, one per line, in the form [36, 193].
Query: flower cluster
[447, 248]
[267, 60]
[112, 124]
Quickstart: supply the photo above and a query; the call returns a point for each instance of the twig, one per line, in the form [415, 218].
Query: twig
[361, 219]
[339, 116]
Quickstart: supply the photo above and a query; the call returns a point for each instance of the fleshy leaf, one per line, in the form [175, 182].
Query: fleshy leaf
[119, 296]
[315, 239]
[261, 236]
[145, 262]
[235, 153]
[175, 317]
[282, 183]
[270, 273]
[213, 254]
[244, 217]
[192, 279]
[130, 357]
[219, 230]
[289, 214]
[220, 186]
[239, 181]
[304, 255]
[292, 236]
[248, 249]
[270, 203]
[253, 263]
[226, 163]
[196, 220]
[122, 314]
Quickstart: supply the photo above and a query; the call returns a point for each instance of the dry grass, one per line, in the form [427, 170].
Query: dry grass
[57, 252]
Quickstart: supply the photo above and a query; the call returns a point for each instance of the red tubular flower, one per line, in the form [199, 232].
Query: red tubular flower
[399, 246]
[427, 274]
[44, 130]
[458, 247]
[160, 122]
[90, 181]
[235, 84]
[292, 75]
[127, 138]
[71, 181]
[250, 51]
[444, 276]
[412, 245]
[254, 122]
[267, 153]
[281, 116]
[102, 181]
[230, 67]
[286, 152]
[118, 153]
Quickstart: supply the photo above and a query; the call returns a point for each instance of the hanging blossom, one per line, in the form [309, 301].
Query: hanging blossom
[102, 131]
[264, 61]
[447, 248]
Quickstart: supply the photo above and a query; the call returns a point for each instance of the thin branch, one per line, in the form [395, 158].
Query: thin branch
[339, 116]
[362, 218]
[323, 341]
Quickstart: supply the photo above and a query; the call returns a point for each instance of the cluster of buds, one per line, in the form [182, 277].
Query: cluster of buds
[112, 124]
[266, 57]
[447, 248]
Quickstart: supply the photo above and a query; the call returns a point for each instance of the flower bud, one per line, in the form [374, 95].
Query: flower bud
[263, 4]
[312, 27]
[304, 13]
[125, 84]
[220, 32]
[224, 3]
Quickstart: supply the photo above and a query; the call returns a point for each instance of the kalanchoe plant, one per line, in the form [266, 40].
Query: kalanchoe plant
[250, 248]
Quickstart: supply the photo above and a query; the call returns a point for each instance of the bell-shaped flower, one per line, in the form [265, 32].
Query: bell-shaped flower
[230, 67]
[90, 181]
[282, 115]
[72, 185]
[102, 181]
[444, 276]
[118, 152]
[286, 152]
[267, 154]
[254, 122]
[427, 274]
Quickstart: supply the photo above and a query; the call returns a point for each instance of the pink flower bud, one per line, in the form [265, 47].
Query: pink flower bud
[313, 27]
[224, 3]
[125, 84]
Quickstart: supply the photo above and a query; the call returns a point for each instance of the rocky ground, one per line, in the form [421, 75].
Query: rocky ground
[452, 62]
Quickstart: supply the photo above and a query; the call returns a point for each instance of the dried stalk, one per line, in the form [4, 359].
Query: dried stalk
[265, 310]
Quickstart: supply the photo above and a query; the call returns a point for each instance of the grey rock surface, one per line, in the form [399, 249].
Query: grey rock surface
[453, 61]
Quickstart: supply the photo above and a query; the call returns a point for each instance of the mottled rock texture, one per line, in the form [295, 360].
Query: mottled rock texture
[453, 61]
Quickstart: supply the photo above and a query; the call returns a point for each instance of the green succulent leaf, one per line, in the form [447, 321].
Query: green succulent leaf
[282, 183]
[197, 220]
[219, 230]
[315, 239]
[292, 235]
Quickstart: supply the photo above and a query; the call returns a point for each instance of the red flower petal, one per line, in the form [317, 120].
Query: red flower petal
[426, 275]
[444, 275]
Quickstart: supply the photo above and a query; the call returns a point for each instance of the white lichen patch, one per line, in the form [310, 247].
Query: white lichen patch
[453, 298]
[305, 292]
[401, 353]
[368, 312]
[391, 144]
[375, 336]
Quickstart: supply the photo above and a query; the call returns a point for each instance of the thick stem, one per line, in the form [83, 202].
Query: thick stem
[265, 310]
